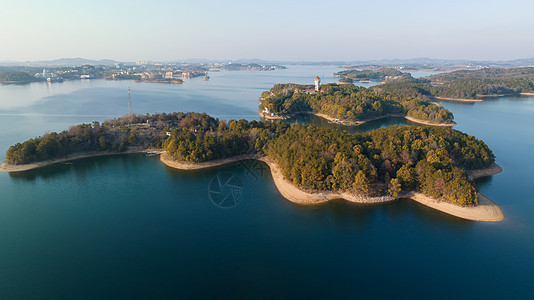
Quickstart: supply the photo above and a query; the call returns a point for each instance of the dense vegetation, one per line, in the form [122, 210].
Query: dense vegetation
[485, 73]
[383, 161]
[387, 160]
[466, 84]
[17, 77]
[349, 102]
[113, 135]
[374, 75]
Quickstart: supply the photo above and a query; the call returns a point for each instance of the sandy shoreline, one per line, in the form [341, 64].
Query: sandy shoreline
[458, 99]
[296, 195]
[486, 210]
[491, 170]
[355, 123]
[5, 167]
[185, 165]
[482, 96]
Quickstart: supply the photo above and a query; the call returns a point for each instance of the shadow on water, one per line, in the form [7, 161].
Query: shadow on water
[342, 213]
[406, 207]
[482, 182]
[346, 213]
[371, 125]
[78, 168]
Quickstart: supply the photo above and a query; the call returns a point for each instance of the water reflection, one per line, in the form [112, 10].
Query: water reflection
[368, 126]
[80, 169]
[430, 216]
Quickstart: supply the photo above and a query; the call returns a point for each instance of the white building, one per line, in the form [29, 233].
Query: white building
[317, 82]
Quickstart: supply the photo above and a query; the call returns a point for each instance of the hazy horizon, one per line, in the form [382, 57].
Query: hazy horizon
[273, 31]
[201, 59]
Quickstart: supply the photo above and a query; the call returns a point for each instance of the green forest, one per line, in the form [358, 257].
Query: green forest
[349, 102]
[374, 75]
[465, 84]
[17, 77]
[390, 160]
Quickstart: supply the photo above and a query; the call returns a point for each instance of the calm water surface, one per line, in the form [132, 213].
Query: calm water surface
[127, 226]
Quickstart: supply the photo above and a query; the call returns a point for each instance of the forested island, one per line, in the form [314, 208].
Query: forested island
[251, 67]
[160, 80]
[385, 74]
[17, 77]
[388, 162]
[465, 85]
[348, 104]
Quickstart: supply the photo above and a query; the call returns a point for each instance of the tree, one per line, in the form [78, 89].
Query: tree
[361, 183]
[406, 177]
[394, 187]
[131, 138]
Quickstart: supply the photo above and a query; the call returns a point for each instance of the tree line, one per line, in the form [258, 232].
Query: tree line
[432, 160]
[377, 75]
[465, 84]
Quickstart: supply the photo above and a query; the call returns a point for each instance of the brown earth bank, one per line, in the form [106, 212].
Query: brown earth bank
[482, 96]
[478, 173]
[458, 99]
[7, 167]
[353, 123]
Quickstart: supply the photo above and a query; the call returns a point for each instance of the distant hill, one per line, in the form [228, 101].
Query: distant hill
[61, 62]
[420, 62]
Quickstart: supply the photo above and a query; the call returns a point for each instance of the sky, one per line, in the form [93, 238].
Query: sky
[311, 30]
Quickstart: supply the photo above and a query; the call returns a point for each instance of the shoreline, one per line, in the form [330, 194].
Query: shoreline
[185, 165]
[485, 211]
[355, 123]
[458, 99]
[482, 96]
[9, 168]
[479, 173]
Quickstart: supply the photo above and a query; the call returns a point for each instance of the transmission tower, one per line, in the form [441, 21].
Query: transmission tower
[130, 111]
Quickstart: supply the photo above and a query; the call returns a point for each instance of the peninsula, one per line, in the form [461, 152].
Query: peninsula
[464, 85]
[309, 164]
[348, 104]
[384, 74]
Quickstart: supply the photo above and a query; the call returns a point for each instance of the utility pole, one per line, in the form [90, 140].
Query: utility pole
[130, 111]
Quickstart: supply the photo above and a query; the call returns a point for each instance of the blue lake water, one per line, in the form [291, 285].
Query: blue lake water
[128, 226]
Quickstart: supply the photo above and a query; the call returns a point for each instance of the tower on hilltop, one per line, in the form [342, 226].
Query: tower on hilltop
[317, 82]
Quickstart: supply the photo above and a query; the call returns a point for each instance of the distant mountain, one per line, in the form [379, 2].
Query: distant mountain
[61, 62]
[195, 60]
[238, 61]
[420, 61]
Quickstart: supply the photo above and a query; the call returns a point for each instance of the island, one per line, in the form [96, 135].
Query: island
[160, 80]
[465, 85]
[384, 74]
[310, 165]
[251, 67]
[348, 104]
[17, 77]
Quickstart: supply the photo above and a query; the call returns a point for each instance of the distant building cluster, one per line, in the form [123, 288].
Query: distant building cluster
[50, 77]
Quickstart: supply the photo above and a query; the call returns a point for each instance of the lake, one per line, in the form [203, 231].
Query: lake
[127, 226]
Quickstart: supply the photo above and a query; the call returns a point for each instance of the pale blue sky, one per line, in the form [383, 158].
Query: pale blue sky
[273, 30]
